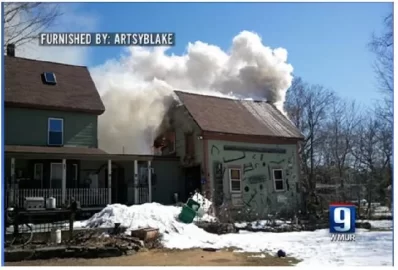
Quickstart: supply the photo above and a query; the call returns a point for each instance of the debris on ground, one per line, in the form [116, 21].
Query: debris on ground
[217, 228]
[281, 253]
[100, 239]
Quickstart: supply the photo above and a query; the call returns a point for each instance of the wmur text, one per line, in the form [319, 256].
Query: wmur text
[342, 237]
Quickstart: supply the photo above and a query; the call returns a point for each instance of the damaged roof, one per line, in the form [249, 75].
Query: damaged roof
[243, 117]
[74, 89]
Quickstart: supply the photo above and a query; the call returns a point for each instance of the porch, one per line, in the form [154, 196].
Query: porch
[90, 176]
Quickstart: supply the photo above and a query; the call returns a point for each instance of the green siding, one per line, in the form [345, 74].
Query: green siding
[168, 181]
[29, 127]
[258, 196]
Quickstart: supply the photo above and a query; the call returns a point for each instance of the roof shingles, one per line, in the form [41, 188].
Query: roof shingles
[243, 117]
[74, 91]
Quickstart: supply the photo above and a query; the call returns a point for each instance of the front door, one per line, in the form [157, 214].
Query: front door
[56, 175]
[119, 187]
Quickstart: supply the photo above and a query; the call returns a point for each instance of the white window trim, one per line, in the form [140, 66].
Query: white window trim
[51, 171]
[230, 180]
[48, 130]
[35, 170]
[76, 172]
[274, 180]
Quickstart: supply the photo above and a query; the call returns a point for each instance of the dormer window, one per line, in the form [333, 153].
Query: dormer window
[49, 78]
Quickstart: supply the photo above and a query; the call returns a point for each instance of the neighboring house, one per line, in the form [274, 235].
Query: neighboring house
[241, 153]
[51, 142]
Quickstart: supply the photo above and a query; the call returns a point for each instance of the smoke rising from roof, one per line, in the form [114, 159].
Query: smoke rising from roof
[137, 89]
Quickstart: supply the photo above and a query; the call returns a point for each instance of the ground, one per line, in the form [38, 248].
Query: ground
[188, 257]
[313, 248]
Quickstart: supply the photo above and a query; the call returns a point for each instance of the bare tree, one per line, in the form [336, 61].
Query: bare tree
[307, 107]
[24, 21]
[369, 155]
[339, 134]
[384, 136]
[383, 47]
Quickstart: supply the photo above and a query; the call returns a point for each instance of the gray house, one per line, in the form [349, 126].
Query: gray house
[51, 145]
[241, 154]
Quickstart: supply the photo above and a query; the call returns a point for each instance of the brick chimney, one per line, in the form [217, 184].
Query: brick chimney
[11, 50]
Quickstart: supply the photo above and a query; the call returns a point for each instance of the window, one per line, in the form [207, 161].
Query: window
[278, 180]
[49, 78]
[56, 175]
[235, 180]
[38, 172]
[55, 131]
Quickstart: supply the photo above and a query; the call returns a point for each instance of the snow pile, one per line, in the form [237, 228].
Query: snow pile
[154, 215]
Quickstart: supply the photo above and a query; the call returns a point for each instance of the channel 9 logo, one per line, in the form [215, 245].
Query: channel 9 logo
[342, 222]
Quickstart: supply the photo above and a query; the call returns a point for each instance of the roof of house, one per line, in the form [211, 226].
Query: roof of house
[243, 117]
[74, 90]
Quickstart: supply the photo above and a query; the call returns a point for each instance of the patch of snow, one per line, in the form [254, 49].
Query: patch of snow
[382, 214]
[257, 256]
[314, 248]
[241, 225]
[262, 224]
[205, 204]
[78, 224]
[205, 218]
[380, 224]
[381, 211]
[63, 225]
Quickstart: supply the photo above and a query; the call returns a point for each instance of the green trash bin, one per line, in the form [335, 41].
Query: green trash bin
[194, 205]
[187, 214]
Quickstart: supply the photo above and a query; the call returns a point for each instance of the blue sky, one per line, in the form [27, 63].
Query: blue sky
[326, 42]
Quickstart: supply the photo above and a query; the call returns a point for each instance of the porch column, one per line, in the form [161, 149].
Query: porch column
[63, 186]
[136, 183]
[12, 184]
[149, 181]
[110, 181]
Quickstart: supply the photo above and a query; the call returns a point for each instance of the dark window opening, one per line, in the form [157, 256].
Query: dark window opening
[278, 180]
[278, 174]
[189, 145]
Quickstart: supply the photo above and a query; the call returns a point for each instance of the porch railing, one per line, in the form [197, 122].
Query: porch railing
[86, 196]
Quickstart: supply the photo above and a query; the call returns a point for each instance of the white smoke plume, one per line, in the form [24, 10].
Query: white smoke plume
[137, 89]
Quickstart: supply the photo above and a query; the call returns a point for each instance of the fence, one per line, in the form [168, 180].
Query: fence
[143, 194]
[86, 196]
